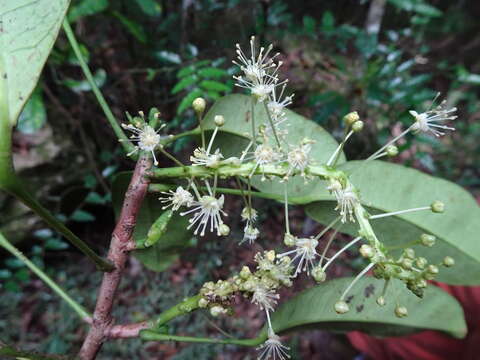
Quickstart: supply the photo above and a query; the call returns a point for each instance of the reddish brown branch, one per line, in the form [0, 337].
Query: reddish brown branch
[128, 330]
[120, 244]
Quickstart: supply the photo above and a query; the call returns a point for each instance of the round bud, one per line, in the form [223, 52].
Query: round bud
[437, 207]
[351, 118]
[219, 120]
[319, 274]
[202, 303]
[401, 311]
[245, 273]
[427, 240]
[381, 301]
[199, 105]
[224, 230]
[341, 307]
[409, 253]
[141, 113]
[392, 151]
[289, 240]
[357, 126]
[367, 251]
[421, 262]
[448, 261]
[270, 255]
[432, 269]
[217, 310]
[407, 264]
[421, 283]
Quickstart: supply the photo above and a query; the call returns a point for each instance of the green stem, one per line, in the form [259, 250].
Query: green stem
[84, 315]
[127, 145]
[18, 190]
[154, 336]
[185, 307]
[170, 139]
[272, 124]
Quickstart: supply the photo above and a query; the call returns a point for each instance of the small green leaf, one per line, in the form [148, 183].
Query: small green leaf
[328, 21]
[79, 86]
[314, 308]
[185, 71]
[309, 24]
[184, 83]
[95, 198]
[82, 216]
[386, 187]
[34, 115]
[86, 8]
[132, 27]
[187, 100]
[150, 7]
[211, 72]
[55, 244]
[214, 85]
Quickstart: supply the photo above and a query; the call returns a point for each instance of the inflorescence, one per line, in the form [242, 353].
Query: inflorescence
[269, 149]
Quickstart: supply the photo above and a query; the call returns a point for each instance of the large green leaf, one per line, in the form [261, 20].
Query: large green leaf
[386, 187]
[161, 255]
[29, 30]
[314, 308]
[237, 108]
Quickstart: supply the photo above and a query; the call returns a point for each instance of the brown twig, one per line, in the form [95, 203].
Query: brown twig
[127, 330]
[120, 244]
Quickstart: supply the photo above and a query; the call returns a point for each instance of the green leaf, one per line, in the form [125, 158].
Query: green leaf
[187, 100]
[184, 83]
[82, 216]
[78, 86]
[95, 198]
[211, 72]
[34, 115]
[150, 7]
[29, 30]
[309, 24]
[185, 71]
[314, 308]
[386, 187]
[167, 249]
[236, 110]
[328, 21]
[55, 244]
[86, 8]
[214, 85]
[132, 27]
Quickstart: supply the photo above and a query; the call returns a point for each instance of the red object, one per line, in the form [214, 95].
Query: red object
[429, 345]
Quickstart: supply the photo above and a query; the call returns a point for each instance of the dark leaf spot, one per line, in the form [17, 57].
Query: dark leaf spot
[369, 290]
[359, 308]
[349, 299]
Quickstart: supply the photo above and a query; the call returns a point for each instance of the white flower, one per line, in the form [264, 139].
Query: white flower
[305, 251]
[255, 67]
[261, 88]
[298, 159]
[207, 209]
[204, 158]
[177, 198]
[431, 120]
[146, 137]
[346, 199]
[264, 297]
[276, 106]
[272, 349]
[250, 234]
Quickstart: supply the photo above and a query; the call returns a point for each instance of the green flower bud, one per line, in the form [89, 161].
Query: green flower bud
[421, 262]
[203, 303]
[381, 301]
[427, 240]
[289, 240]
[319, 274]
[392, 151]
[367, 251]
[351, 118]
[409, 253]
[407, 264]
[448, 261]
[401, 311]
[219, 120]
[422, 283]
[245, 273]
[432, 269]
[217, 310]
[341, 307]
[437, 207]
[357, 126]
[199, 105]
[224, 230]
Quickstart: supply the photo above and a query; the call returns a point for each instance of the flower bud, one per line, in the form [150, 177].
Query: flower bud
[421, 283]
[351, 118]
[448, 261]
[432, 269]
[289, 240]
[401, 311]
[219, 120]
[357, 126]
[392, 151]
[409, 253]
[367, 251]
[319, 274]
[437, 207]
[427, 240]
[341, 307]
[407, 264]
[381, 301]
[421, 262]
[224, 230]
[245, 273]
[199, 105]
[270, 255]
[217, 310]
[203, 303]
